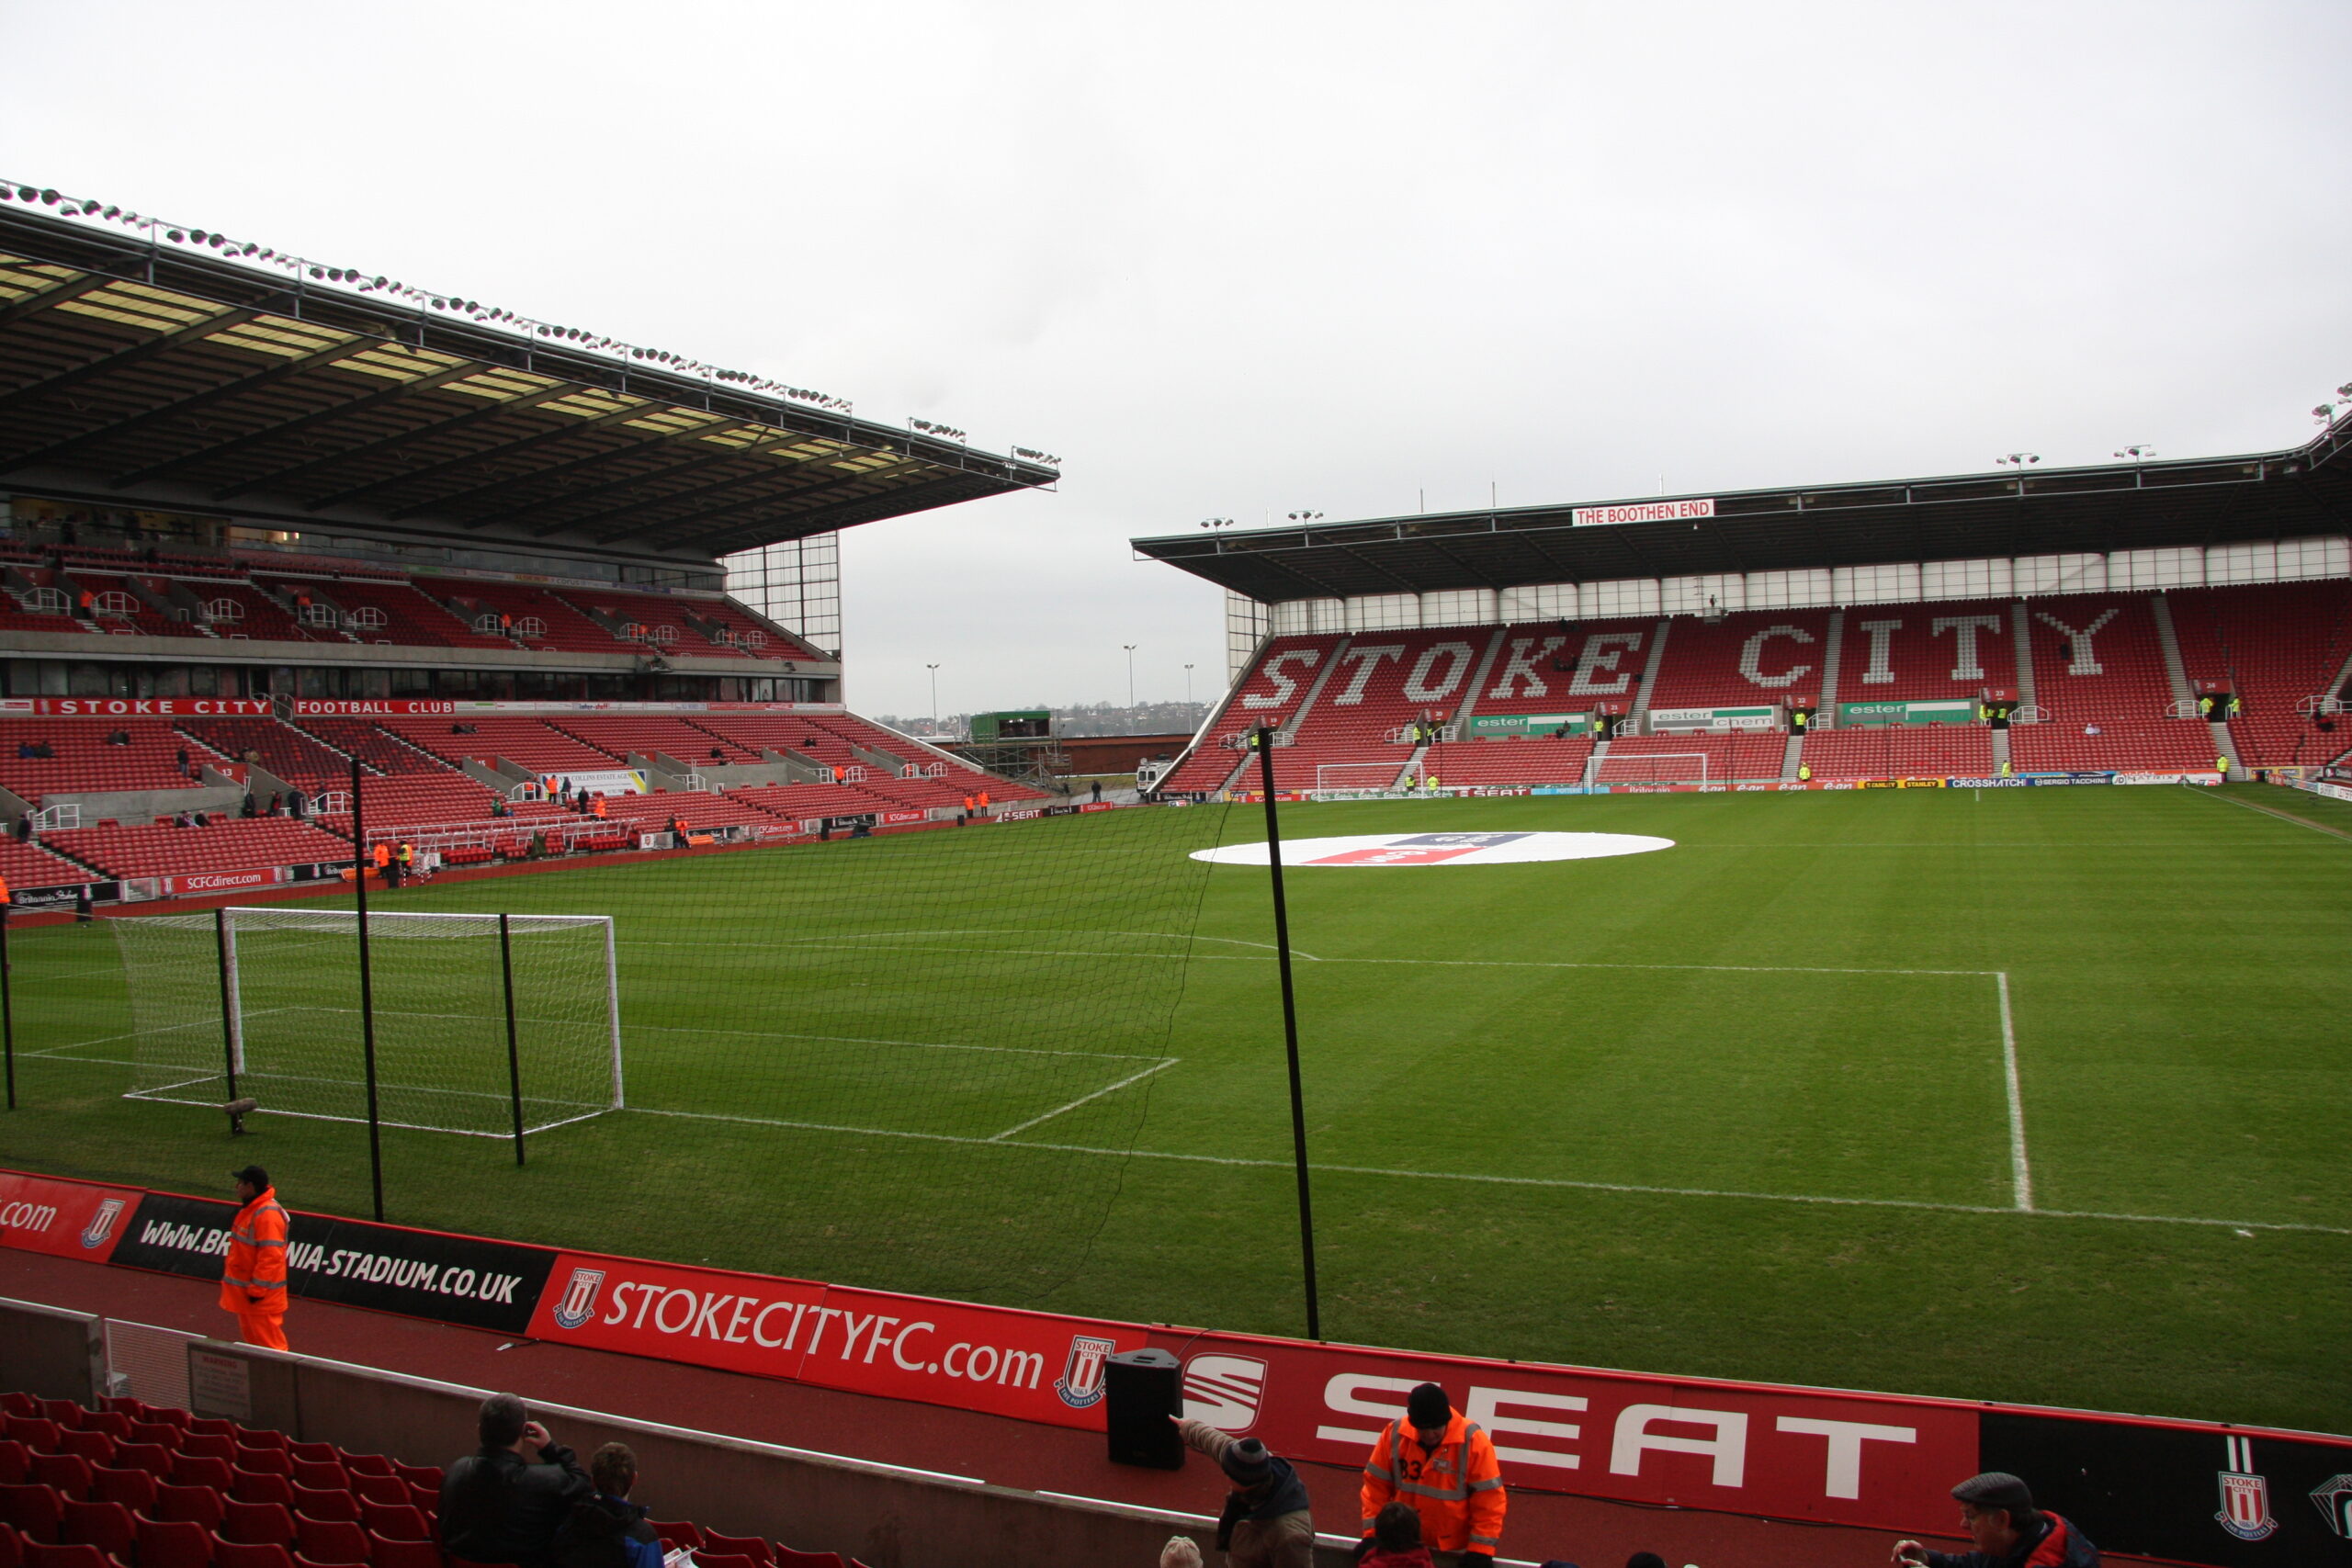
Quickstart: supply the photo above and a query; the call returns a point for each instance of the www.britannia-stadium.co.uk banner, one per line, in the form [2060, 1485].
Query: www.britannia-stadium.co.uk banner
[2232, 1496]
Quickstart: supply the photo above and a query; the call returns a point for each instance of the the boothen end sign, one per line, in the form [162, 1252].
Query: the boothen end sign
[1645, 512]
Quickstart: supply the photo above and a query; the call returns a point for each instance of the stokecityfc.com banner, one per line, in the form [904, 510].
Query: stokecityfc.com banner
[2232, 1496]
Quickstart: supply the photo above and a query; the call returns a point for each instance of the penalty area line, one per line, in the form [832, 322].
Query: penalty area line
[1160, 1066]
[1634, 1189]
[2020, 1169]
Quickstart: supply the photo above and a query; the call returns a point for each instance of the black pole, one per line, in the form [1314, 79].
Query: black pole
[228, 1007]
[1265, 740]
[366, 994]
[514, 1056]
[7, 1010]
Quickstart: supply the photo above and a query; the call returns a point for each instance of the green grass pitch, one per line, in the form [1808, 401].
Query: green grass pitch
[1741, 1108]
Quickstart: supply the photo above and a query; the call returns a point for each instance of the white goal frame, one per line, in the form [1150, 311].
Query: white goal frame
[1326, 789]
[232, 1009]
[1601, 768]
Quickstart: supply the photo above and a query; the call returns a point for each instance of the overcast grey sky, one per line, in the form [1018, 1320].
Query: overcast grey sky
[1230, 260]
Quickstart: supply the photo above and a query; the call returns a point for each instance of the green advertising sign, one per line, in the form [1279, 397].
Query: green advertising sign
[1956, 710]
[1525, 723]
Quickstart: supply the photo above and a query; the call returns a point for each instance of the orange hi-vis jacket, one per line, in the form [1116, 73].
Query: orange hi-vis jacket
[1457, 1487]
[254, 1278]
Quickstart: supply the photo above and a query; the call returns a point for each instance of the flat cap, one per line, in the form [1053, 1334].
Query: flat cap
[1995, 1489]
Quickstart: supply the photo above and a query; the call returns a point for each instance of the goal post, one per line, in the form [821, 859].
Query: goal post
[1655, 767]
[1349, 780]
[487, 1025]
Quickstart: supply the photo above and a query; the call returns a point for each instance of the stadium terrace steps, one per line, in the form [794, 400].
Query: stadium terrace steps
[228, 844]
[286, 753]
[27, 864]
[1900, 750]
[676, 738]
[527, 742]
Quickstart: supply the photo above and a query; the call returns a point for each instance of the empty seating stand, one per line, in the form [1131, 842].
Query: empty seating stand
[85, 760]
[227, 844]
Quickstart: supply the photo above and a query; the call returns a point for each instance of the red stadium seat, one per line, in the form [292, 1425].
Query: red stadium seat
[787, 1558]
[35, 1432]
[106, 1526]
[79, 1554]
[682, 1533]
[172, 1543]
[367, 1464]
[398, 1520]
[381, 1488]
[317, 1474]
[12, 1547]
[253, 1524]
[387, 1552]
[426, 1500]
[325, 1503]
[15, 1463]
[330, 1541]
[209, 1445]
[749, 1545]
[112, 1423]
[253, 1486]
[69, 1473]
[214, 1473]
[211, 1426]
[419, 1475]
[264, 1460]
[64, 1412]
[315, 1453]
[134, 1489]
[152, 1457]
[162, 1434]
[14, 1401]
[34, 1509]
[723, 1560]
[247, 1554]
[189, 1504]
[261, 1438]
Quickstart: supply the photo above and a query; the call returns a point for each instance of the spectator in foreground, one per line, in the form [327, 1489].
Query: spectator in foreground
[496, 1505]
[606, 1530]
[1179, 1552]
[1265, 1523]
[1447, 1465]
[1997, 1511]
[1397, 1540]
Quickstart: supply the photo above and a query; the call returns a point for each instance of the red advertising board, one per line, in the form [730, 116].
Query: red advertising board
[66, 1219]
[1798, 1453]
[1000, 1360]
[219, 881]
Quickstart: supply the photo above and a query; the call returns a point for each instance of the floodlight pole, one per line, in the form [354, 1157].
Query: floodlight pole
[7, 1010]
[366, 994]
[1263, 739]
[513, 1053]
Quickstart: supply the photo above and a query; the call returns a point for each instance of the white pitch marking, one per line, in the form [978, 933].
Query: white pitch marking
[2280, 816]
[1107, 1089]
[2020, 1172]
[1627, 1186]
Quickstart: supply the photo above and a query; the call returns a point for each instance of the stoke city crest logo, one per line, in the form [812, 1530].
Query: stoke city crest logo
[579, 1303]
[2246, 1497]
[1081, 1384]
[101, 1225]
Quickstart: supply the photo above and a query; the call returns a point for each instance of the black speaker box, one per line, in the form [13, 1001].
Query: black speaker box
[1141, 1390]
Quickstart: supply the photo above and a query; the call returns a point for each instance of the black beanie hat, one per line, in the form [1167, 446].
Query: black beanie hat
[1427, 1406]
[1247, 1462]
[1995, 1489]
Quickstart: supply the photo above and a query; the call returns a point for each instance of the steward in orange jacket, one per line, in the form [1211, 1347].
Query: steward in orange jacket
[1446, 1467]
[253, 1280]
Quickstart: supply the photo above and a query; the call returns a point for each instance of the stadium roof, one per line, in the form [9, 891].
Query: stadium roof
[2144, 505]
[149, 365]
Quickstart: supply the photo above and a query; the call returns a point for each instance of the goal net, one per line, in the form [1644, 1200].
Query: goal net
[1341, 780]
[274, 995]
[1659, 767]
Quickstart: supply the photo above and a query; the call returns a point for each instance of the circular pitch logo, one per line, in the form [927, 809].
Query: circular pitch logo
[1440, 849]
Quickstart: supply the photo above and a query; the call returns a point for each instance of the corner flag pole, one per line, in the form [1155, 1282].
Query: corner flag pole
[366, 994]
[1264, 740]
